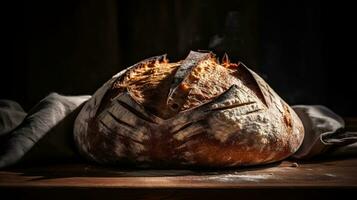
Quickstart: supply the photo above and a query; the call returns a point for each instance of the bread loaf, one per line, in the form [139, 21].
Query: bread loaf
[195, 112]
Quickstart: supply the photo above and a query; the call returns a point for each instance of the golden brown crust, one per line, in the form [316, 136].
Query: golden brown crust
[195, 112]
[149, 83]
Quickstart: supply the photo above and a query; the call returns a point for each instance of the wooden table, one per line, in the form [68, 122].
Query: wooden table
[327, 179]
[320, 179]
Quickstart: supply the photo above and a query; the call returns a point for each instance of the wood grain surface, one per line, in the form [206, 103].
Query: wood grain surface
[322, 179]
[287, 174]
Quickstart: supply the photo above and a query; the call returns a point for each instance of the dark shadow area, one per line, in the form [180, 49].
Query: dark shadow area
[115, 193]
[303, 49]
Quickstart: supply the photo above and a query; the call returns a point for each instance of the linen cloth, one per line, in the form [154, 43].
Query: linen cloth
[45, 133]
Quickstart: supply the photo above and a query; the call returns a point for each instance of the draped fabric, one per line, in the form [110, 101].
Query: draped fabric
[46, 132]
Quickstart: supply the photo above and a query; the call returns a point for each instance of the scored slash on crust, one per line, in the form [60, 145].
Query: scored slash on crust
[129, 126]
[190, 129]
[230, 106]
[121, 133]
[135, 112]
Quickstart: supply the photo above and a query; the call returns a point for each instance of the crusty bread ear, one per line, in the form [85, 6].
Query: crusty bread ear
[195, 112]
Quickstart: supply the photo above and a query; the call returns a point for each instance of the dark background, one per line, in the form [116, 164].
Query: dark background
[304, 49]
